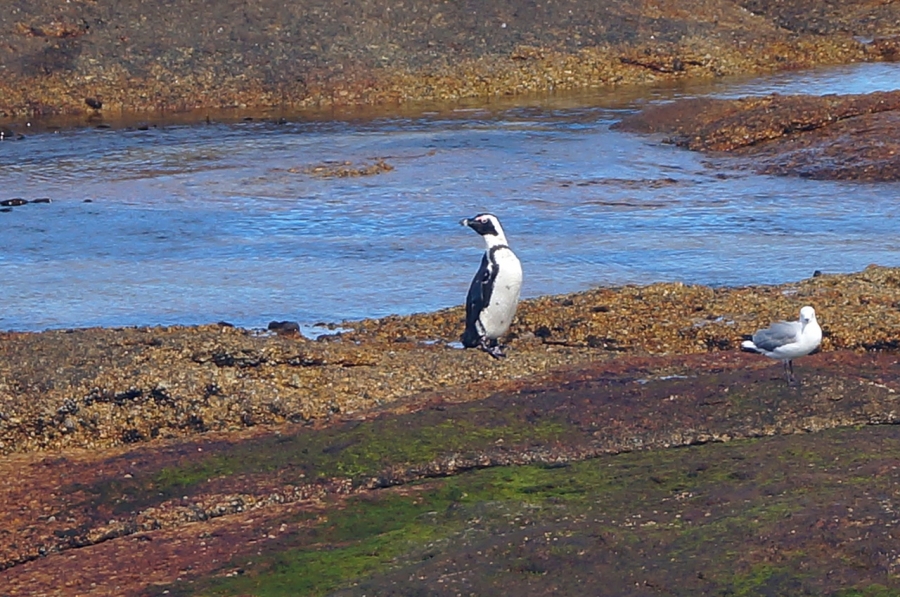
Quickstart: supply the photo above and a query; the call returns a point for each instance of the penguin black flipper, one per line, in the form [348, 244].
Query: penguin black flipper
[478, 298]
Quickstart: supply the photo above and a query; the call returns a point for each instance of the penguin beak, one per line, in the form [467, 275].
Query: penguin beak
[479, 225]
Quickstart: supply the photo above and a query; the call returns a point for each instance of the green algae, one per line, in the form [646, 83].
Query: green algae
[375, 534]
[373, 449]
[353, 542]
[657, 511]
[873, 590]
[766, 579]
[358, 451]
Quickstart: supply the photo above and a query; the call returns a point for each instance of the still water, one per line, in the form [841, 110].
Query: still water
[187, 224]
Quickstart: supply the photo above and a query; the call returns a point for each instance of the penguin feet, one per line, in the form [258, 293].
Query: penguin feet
[492, 348]
[496, 352]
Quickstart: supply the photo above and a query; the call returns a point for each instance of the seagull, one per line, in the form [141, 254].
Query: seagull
[787, 340]
[494, 293]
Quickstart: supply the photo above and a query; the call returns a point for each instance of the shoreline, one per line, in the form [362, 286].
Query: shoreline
[332, 329]
[101, 387]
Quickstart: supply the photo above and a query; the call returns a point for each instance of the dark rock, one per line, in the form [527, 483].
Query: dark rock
[131, 436]
[69, 407]
[284, 328]
[129, 395]
[195, 423]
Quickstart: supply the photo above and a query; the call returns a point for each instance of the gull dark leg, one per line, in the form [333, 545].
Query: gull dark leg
[788, 374]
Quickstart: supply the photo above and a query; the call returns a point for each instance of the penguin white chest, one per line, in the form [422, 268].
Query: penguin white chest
[498, 314]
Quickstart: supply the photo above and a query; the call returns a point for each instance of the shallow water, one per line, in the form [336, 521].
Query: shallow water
[199, 223]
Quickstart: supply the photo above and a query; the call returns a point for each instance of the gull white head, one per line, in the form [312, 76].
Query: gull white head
[788, 340]
[807, 314]
[488, 226]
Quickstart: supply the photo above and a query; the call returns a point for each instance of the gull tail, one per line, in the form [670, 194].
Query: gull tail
[749, 346]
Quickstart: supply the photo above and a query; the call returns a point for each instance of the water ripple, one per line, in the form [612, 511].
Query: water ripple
[192, 224]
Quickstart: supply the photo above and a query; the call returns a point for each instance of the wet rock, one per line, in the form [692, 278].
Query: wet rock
[345, 169]
[707, 124]
[284, 328]
[851, 137]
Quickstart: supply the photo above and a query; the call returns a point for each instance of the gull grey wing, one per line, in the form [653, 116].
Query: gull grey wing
[479, 296]
[778, 334]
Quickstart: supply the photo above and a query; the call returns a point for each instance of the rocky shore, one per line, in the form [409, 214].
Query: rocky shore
[833, 137]
[90, 57]
[212, 461]
[105, 387]
[381, 459]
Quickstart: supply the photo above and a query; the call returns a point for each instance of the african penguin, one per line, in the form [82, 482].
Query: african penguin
[787, 340]
[494, 293]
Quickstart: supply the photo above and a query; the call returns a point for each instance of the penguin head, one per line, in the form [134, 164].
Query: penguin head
[487, 225]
